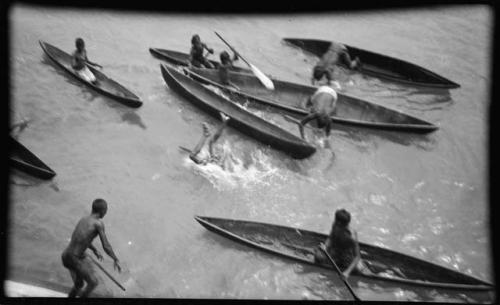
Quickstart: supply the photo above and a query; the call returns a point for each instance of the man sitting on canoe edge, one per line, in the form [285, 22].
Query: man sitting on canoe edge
[196, 57]
[79, 62]
[74, 257]
[337, 53]
[341, 246]
[322, 104]
[204, 151]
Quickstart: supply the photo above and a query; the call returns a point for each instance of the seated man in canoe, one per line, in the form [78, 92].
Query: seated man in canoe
[74, 257]
[196, 57]
[205, 152]
[337, 53]
[321, 105]
[341, 246]
[79, 62]
[226, 63]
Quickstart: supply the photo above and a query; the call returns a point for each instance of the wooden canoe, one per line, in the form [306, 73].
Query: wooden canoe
[14, 289]
[289, 96]
[105, 85]
[297, 244]
[381, 66]
[241, 119]
[23, 159]
[182, 59]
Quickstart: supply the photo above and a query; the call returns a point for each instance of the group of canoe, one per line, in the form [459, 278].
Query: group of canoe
[291, 243]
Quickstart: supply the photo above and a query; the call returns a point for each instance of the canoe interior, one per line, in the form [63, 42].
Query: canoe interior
[23, 159]
[241, 119]
[180, 58]
[294, 95]
[104, 84]
[297, 243]
[379, 65]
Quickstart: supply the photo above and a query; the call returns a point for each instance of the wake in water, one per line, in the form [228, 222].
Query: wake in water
[234, 173]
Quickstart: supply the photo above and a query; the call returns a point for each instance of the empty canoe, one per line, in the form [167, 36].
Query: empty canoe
[104, 85]
[182, 59]
[381, 66]
[241, 119]
[290, 97]
[23, 159]
[386, 265]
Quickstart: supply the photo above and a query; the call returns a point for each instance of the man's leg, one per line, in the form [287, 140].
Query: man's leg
[88, 276]
[77, 284]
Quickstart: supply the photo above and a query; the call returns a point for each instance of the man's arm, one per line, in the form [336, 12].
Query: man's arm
[106, 245]
[211, 51]
[199, 146]
[356, 259]
[96, 252]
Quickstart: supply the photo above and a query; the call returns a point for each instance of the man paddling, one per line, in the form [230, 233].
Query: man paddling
[79, 62]
[74, 257]
[341, 245]
[321, 105]
[204, 152]
[196, 57]
[226, 63]
[337, 53]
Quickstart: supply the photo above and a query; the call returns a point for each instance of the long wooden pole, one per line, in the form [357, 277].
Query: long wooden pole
[340, 274]
[107, 273]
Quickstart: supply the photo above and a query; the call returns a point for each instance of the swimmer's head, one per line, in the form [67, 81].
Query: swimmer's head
[99, 206]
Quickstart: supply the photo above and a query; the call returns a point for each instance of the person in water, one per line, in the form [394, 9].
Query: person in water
[337, 53]
[322, 104]
[74, 257]
[204, 151]
[341, 246]
[196, 57]
[226, 63]
[79, 61]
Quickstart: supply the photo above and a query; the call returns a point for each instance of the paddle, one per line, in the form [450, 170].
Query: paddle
[261, 76]
[94, 64]
[322, 247]
[185, 149]
[107, 273]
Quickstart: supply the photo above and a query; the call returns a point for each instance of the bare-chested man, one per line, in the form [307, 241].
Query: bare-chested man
[321, 105]
[74, 257]
[337, 53]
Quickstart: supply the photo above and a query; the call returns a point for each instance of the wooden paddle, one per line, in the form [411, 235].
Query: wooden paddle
[93, 64]
[266, 81]
[322, 247]
[185, 149]
[107, 273]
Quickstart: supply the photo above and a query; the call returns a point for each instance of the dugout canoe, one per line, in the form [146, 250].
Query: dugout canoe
[182, 59]
[381, 66]
[241, 119]
[297, 244]
[289, 96]
[105, 85]
[24, 160]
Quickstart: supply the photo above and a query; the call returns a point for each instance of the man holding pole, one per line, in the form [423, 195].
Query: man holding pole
[74, 257]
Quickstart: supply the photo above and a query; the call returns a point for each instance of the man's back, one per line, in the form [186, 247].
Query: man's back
[342, 246]
[84, 233]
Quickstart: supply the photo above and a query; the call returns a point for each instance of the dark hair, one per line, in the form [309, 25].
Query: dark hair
[195, 36]
[323, 120]
[318, 73]
[342, 217]
[79, 42]
[99, 206]
[224, 56]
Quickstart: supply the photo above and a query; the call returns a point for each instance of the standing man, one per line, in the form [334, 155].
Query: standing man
[74, 257]
[337, 53]
[321, 105]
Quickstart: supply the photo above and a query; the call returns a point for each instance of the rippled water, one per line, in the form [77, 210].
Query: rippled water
[420, 195]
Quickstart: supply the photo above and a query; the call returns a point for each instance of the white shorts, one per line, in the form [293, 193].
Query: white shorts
[86, 74]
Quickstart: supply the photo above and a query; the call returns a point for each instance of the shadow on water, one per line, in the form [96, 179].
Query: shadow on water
[133, 118]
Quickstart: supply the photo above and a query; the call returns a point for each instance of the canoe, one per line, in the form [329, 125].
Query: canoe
[23, 159]
[297, 244]
[13, 289]
[289, 96]
[105, 85]
[182, 59]
[241, 119]
[381, 66]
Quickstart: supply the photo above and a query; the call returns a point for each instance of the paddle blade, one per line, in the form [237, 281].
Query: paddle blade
[262, 77]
